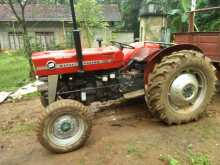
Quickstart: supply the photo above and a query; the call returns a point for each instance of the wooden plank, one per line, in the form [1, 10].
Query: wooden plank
[205, 9]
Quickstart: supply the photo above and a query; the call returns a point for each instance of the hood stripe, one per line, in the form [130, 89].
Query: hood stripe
[75, 64]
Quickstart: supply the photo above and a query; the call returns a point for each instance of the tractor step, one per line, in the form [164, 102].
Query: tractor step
[134, 94]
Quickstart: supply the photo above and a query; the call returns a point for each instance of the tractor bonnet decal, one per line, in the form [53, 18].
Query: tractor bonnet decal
[74, 64]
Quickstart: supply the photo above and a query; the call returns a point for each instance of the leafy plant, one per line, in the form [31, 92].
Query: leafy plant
[193, 158]
[89, 15]
[132, 149]
[197, 159]
[170, 160]
[177, 17]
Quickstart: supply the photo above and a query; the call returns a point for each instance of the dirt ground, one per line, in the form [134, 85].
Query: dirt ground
[122, 135]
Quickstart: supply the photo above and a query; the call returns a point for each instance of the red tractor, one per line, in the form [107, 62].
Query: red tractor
[178, 82]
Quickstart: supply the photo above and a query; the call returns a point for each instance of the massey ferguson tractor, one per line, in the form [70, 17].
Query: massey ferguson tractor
[177, 81]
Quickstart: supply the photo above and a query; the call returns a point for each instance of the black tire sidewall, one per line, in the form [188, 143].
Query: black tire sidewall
[51, 115]
[165, 72]
[198, 65]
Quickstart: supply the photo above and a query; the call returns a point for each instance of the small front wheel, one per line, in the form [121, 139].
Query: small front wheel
[65, 127]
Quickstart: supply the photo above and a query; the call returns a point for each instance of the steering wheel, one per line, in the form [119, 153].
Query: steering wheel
[122, 45]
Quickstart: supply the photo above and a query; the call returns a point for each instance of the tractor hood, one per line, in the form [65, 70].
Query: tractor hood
[66, 62]
[53, 54]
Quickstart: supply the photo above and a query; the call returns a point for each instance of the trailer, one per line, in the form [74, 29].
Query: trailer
[208, 42]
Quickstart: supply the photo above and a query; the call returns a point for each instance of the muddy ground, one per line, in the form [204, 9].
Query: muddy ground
[123, 135]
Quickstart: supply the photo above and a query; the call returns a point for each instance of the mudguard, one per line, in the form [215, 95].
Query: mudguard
[157, 56]
[169, 50]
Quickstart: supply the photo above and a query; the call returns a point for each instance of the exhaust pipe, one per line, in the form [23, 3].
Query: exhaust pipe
[76, 36]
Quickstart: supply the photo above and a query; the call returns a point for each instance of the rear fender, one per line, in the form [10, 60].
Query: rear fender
[167, 51]
[156, 57]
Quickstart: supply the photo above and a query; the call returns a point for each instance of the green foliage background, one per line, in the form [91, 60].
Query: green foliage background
[14, 71]
[176, 10]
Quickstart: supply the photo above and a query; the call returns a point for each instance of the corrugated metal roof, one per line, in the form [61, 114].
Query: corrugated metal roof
[39, 12]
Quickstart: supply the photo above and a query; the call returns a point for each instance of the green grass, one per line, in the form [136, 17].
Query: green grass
[31, 95]
[197, 158]
[193, 158]
[14, 70]
[169, 159]
[132, 149]
[18, 129]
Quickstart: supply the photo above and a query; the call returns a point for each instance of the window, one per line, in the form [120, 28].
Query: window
[151, 8]
[45, 39]
[15, 40]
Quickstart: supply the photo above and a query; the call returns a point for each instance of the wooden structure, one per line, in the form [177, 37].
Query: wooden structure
[209, 42]
[192, 16]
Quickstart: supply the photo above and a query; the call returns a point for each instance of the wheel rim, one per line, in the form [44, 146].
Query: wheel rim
[65, 130]
[187, 91]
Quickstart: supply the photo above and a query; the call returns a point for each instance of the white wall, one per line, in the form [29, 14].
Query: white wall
[124, 37]
[57, 28]
[4, 36]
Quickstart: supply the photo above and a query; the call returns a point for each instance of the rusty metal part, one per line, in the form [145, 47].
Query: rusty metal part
[191, 22]
[208, 42]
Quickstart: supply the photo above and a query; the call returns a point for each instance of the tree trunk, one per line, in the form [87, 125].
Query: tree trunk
[28, 51]
[21, 21]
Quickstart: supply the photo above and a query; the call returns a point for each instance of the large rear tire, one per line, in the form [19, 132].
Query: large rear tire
[65, 127]
[181, 87]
